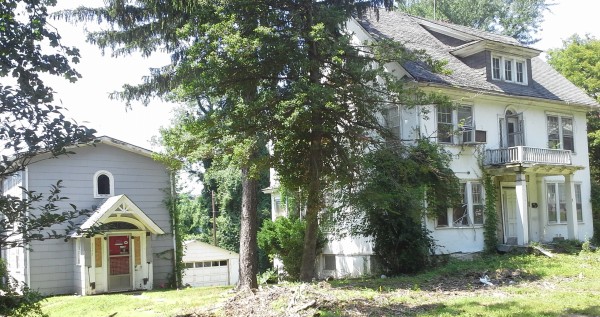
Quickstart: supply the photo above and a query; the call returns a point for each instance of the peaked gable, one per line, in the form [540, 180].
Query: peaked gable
[119, 209]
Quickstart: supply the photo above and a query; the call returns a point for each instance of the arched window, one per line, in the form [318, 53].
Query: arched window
[103, 184]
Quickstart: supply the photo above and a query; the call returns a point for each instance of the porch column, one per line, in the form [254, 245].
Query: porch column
[522, 217]
[571, 207]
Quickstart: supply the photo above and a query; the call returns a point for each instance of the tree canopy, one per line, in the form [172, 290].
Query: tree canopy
[284, 71]
[520, 19]
[30, 120]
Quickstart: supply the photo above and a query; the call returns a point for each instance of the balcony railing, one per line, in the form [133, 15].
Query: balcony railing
[527, 155]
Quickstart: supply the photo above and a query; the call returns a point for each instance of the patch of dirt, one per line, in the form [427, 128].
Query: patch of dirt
[361, 299]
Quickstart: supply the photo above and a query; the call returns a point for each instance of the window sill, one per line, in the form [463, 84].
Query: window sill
[564, 223]
[461, 227]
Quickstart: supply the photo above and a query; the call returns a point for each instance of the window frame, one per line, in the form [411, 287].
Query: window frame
[329, 259]
[473, 194]
[560, 142]
[394, 126]
[506, 68]
[557, 187]
[111, 184]
[455, 124]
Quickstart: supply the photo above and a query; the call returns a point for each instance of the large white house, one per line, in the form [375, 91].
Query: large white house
[519, 121]
[126, 190]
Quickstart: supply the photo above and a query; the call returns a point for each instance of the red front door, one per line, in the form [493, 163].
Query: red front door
[119, 263]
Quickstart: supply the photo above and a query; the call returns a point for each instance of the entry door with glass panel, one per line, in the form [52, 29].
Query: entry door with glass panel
[119, 263]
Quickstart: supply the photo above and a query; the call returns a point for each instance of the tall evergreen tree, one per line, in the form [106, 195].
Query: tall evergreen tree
[277, 70]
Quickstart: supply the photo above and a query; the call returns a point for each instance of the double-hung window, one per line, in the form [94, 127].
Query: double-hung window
[509, 69]
[469, 211]
[560, 132]
[453, 121]
[556, 203]
[392, 120]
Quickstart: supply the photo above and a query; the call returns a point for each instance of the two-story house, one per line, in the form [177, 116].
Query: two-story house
[126, 191]
[514, 118]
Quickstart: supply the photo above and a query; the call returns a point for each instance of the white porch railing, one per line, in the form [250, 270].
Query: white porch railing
[524, 154]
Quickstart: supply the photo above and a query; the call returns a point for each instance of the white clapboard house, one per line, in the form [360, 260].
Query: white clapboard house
[523, 119]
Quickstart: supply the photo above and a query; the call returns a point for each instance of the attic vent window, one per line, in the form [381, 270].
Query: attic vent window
[103, 184]
[509, 69]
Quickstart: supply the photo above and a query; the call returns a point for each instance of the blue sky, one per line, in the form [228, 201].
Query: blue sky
[88, 102]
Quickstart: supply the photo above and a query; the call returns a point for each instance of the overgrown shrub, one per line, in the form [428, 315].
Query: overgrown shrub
[399, 186]
[284, 239]
[17, 299]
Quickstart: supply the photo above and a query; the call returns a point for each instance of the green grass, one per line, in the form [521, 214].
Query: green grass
[559, 286]
[151, 303]
[566, 285]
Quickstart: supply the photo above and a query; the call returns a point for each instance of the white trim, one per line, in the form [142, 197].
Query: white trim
[557, 182]
[560, 117]
[119, 205]
[513, 60]
[455, 138]
[111, 180]
[468, 191]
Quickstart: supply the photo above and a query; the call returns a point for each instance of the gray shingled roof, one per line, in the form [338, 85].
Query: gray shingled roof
[406, 29]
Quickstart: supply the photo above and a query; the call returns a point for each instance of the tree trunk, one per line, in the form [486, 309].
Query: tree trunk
[313, 206]
[314, 199]
[248, 231]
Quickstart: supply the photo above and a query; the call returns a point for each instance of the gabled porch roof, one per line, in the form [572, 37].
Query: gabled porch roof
[118, 208]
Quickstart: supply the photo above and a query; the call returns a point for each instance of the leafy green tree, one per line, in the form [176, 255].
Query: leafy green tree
[387, 203]
[279, 70]
[31, 122]
[284, 239]
[579, 61]
[520, 19]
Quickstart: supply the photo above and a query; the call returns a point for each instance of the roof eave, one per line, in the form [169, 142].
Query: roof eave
[587, 107]
[483, 45]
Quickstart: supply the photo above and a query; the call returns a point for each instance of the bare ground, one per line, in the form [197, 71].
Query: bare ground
[375, 297]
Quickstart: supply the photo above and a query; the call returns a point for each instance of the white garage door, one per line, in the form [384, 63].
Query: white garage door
[206, 273]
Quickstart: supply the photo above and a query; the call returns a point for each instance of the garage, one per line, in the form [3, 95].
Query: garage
[208, 265]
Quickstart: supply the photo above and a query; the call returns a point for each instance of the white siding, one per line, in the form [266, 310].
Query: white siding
[196, 252]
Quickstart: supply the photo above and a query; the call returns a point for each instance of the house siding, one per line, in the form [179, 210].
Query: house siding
[143, 180]
[486, 114]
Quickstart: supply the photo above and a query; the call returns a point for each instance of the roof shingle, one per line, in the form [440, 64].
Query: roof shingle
[409, 30]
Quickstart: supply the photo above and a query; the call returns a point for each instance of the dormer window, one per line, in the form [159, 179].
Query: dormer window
[103, 184]
[509, 69]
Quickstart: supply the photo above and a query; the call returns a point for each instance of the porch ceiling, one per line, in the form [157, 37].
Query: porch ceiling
[539, 169]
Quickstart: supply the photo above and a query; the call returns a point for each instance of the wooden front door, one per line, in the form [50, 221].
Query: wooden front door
[509, 211]
[119, 263]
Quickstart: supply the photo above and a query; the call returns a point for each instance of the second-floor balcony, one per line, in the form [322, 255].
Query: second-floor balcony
[526, 155]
